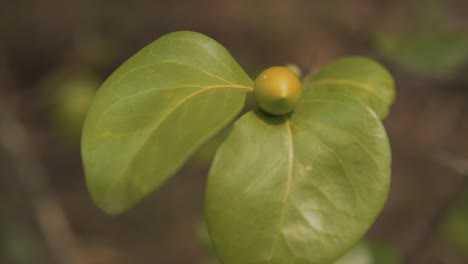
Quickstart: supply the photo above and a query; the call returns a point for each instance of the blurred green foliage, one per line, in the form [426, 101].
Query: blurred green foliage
[203, 237]
[439, 55]
[18, 245]
[455, 225]
[371, 252]
[360, 254]
[72, 95]
[383, 253]
[204, 240]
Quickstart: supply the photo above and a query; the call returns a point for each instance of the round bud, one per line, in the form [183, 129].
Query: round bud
[277, 90]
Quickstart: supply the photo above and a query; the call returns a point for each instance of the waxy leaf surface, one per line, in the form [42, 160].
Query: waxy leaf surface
[154, 111]
[302, 188]
[360, 78]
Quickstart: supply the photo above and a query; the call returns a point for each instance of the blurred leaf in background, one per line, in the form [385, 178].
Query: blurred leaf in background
[371, 252]
[438, 55]
[455, 226]
[18, 245]
[203, 237]
[204, 240]
[383, 253]
[360, 254]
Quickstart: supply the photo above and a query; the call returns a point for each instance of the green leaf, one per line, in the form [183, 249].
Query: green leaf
[302, 188]
[360, 78]
[154, 111]
[435, 54]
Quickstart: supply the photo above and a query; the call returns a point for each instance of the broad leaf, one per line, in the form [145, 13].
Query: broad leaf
[360, 78]
[154, 111]
[302, 188]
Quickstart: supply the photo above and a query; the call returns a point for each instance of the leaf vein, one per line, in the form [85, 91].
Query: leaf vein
[351, 83]
[342, 132]
[287, 192]
[331, 151]
[155, 127]
[105, 112]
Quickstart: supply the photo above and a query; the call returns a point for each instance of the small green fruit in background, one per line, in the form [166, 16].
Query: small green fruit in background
[277, 90]
[71, 102]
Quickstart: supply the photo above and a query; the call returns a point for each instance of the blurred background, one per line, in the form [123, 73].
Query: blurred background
[55, 53]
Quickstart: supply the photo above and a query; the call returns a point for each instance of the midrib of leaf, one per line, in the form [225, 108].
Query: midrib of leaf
[163, 89]
[168, 62]
[350, 83]
[288, 189]
[155, 127]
